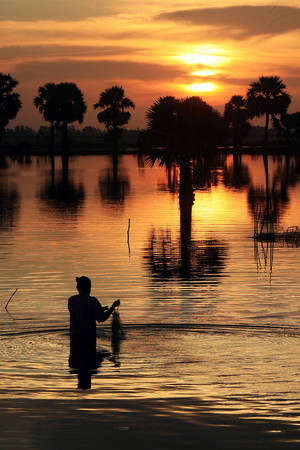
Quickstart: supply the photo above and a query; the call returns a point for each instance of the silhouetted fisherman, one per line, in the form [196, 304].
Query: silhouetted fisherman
[85, 310]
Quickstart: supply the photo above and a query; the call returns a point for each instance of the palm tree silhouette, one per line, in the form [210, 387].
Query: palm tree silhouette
[236, 118]
[162, 118]
[114, 103]
[10, 102]
[189, 122]
[289, 125]
[45, 102]
[70, 107]
[267, 96]
[60, 105]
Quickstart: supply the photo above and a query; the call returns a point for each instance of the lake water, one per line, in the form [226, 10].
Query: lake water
[208, 311]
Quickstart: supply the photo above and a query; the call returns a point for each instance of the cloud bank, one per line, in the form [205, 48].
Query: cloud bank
[60, 10]
[240, 22]
[11, 52]
[65, 70]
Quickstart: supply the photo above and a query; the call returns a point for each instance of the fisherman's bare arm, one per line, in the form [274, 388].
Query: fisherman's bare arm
[106, 312]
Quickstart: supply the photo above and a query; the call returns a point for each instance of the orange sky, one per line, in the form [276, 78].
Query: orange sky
[176, 48]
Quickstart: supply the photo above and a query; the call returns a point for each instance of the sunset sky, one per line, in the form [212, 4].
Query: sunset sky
[152, 49]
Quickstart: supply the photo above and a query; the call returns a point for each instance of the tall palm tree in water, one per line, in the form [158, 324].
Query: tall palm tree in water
[267, 96]
[115, 112]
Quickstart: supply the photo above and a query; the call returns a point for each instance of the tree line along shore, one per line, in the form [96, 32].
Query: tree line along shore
[171, 122]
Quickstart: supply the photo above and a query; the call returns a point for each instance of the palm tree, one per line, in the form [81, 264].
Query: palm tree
[69, 107]
[45, 102]
[199, 124]
[289, 124]
[267, 96]
[162, 118]
[187, 122]
[10, 102]
[114, 103]
[236, 118]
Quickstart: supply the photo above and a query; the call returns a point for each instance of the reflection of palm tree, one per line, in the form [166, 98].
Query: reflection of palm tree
[9, 210]
[199, 260]
[267, 97]
[207, 170]
[114, 187]
[63, 195]
[267, 205]
[237, 175]
[185, 259]
[9, 205]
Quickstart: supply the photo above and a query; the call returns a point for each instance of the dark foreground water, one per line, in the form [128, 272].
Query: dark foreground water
[208, 312]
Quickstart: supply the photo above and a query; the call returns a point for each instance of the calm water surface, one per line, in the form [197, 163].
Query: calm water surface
[208, 312]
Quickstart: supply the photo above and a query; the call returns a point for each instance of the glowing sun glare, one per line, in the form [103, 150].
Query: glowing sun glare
[204, 73]
[201, 87]
[202, 58]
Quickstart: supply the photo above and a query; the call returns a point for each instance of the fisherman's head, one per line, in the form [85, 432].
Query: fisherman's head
[83, 285]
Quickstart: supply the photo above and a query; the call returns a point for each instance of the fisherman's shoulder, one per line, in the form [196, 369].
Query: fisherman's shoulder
[94, 300]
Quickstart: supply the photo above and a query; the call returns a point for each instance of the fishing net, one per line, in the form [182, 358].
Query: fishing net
[116, 327]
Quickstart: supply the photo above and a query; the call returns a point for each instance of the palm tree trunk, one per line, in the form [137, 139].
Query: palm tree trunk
[52, 131]
[266, 137]
[186, 200]
[65, 137]
[65, 169]
[2, 133]
[115, 139]
[52, 170]
[267, 212]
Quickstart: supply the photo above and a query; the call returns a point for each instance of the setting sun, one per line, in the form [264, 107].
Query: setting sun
[201, 87]
[210, 60]
[204, 73]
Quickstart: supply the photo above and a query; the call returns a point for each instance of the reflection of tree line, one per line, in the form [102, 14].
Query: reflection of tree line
[63, 195]
[184, 176]
[9, 208]
[186, 258]
[267, 205]
[114, 186]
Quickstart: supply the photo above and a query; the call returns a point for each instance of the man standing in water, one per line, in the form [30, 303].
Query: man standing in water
[85, 310]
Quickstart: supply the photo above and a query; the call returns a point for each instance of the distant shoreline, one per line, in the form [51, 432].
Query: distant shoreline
[79, 151]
